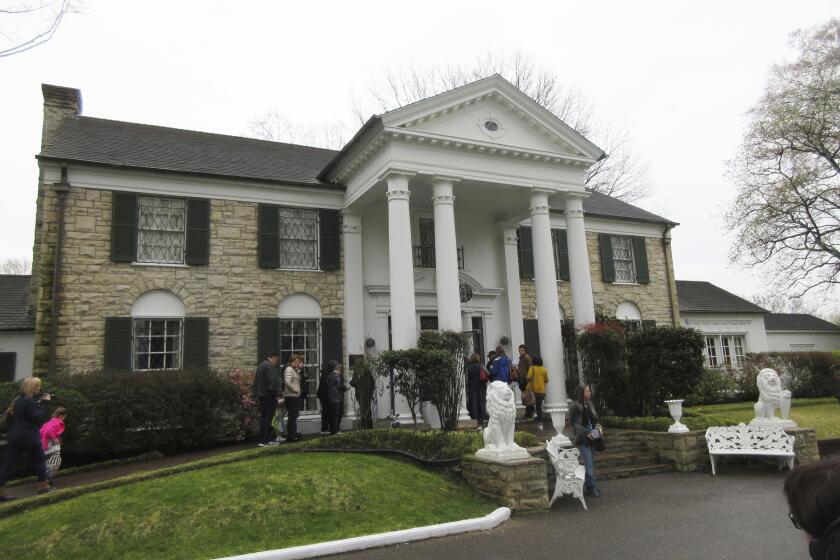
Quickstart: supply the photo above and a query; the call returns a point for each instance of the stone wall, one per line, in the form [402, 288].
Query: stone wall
[656, 300]
[232, 291]
[521, 485]
[689, 452]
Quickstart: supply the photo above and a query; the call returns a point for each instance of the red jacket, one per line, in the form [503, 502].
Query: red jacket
[51, 430]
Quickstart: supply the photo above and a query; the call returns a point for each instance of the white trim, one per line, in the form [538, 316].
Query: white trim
[166, 265]
[485, 523]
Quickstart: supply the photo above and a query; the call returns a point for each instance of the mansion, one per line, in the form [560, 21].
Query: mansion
[164, 248]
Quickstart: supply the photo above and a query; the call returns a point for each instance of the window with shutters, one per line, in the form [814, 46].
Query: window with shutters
[156, 344]
[623, 260]
[303, 336]
[298, 239]
[161, 230]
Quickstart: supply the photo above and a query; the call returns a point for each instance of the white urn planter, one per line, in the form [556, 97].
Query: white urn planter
[675, 408]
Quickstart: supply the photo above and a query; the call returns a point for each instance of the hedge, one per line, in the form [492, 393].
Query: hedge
[661, 423]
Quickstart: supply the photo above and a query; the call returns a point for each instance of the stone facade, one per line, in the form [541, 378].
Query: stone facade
[521, 485]
[656, 300]
[232, 291]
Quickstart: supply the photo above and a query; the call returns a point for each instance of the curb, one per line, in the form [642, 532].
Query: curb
[489, 521]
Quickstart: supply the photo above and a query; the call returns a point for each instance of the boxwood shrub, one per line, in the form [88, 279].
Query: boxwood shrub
[661, 423]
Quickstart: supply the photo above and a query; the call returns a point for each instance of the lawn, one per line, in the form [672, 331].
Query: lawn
[821, 414]
[266, 503]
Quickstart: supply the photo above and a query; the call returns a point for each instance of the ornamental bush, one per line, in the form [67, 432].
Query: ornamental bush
[446, 385]
[805, 374]
[416, 373]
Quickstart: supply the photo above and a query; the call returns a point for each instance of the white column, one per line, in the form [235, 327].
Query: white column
[400, 265]
[446, 255]
[354, 310]
[514, 292]
[580, 278]
[548, 311]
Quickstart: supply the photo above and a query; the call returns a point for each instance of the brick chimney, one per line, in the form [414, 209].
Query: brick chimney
[59, 103]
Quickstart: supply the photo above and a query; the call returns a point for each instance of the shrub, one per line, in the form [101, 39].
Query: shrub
[714, 386]
[665, 363]
[363, 381]
[602, 351]
[661, 423]
[805, 374]
[415, 373]
[445, 386]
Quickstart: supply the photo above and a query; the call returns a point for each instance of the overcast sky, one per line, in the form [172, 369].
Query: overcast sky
[679, 78]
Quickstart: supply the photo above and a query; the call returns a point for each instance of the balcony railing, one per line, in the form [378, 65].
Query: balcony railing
[424, 256]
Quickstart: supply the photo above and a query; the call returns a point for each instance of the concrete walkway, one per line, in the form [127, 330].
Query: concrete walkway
[739, 514]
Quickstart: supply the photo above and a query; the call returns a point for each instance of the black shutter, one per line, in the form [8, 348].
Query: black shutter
[330, 230]
[196, 342]
[607, 266]
[268, 337]
[526, 253]
[118, 343]
[8, 361]
[561, 253]
[532, 336]
[123, 227]
[648, 324]
[331, 340]
[640, 256]
[269, 244]
[198, 231]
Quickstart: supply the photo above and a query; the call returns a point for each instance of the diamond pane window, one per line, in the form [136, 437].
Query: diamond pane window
[157, 344]
[161, 230]
[625, 267]
[301, 336]
[298, 239]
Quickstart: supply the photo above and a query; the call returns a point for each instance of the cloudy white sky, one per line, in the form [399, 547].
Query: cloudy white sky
[678, 77]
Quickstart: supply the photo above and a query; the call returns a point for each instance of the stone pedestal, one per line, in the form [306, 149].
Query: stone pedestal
[522, 485]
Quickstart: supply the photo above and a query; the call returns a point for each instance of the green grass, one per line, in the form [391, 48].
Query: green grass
[822, 414]
[271, 502]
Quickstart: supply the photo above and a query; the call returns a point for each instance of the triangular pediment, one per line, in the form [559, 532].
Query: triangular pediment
[492, 111]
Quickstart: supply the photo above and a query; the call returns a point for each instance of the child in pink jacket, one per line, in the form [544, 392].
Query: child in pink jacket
[51, 440]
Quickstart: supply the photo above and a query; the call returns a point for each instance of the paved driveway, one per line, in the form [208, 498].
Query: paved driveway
[739, 514]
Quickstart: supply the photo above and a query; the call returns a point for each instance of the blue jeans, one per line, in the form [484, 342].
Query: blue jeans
[588, 454]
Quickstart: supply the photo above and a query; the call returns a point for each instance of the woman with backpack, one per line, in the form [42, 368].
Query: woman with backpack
[477, 378]
[25, 416]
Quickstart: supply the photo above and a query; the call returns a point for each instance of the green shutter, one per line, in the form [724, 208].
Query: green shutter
[196, 342]
[198, 231]
[331, 340]
[607, 266]
[268, 337]
[561, 253]
[269, 243]
[648, 324]
[118, 343]
[640, 256]
[329, 222]
[531, 329]
[123, 227]
[526, 253]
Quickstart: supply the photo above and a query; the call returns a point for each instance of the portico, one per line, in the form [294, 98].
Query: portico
[464, 169]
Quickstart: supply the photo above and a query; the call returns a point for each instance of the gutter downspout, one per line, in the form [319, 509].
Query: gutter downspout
[62, 188]
[666, 242]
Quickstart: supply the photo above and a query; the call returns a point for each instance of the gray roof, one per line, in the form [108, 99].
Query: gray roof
[598, 204]
[797, 322]
[15, 308]
[142, 146]
[705, 297]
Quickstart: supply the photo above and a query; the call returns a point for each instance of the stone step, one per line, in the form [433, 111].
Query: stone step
[611, 473]
[625, 458]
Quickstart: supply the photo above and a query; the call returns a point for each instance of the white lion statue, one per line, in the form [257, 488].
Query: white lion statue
[770, 398]
[498, 435]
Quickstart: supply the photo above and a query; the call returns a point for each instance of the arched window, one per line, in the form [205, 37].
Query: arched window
[629, 314]
[157, 329]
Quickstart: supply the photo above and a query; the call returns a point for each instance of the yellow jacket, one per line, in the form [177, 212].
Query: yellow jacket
[537, 378]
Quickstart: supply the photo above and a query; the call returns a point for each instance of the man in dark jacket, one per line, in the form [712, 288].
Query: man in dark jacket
[522, 376]
[266, 388]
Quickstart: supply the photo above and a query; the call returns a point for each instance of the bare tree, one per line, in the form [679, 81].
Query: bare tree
[25, 24]
[781, 303]
[13, 265]
[622, 175]
[274, 126]
[787, 212]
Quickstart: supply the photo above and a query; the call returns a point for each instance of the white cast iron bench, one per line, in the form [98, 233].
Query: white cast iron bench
[570, 473]
[764, 441]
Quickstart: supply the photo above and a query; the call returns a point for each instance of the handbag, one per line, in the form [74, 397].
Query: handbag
[597, 438]
[484, 375]
[528, 398]
[7, 418]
